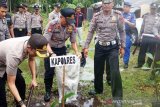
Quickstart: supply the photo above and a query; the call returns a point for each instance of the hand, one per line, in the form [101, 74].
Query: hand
[34, 83]
[79, 55]
[23, 105]
[85, 51]
[53, 55]
[158, 36]
[121, 51]
[29, 34]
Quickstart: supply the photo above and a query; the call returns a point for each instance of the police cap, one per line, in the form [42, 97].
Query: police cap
[128, 4]
[3, 3]
[36, 6]
[25, 5]
[39, 43]
[107, 1]
[58, 5]
[20, 6]
[68, 13]
[153, 5]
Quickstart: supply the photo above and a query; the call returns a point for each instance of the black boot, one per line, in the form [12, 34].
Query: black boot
[48, 86]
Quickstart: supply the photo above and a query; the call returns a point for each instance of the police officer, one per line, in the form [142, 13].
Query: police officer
[107, 23]
[147, 37]
[130, 23]
[20, 22]
[4, 32]
[57, 32]
[36, 21]
[56, 12]
[12, 52]
[10, 24]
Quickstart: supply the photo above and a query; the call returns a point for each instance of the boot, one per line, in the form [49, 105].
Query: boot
[48, 86]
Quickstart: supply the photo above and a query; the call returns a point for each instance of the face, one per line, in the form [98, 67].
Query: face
[126, 9]
[3, 12]
[78, 10]
[57, 9]
[107, 6]
[63, 21]
[25, 9]
[31, 51]
[20, 10]
[36, 10]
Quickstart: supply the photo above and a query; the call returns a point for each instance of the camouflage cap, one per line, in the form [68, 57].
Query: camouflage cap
[107, 1]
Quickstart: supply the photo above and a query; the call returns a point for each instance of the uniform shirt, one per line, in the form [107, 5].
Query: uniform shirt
[20, 21]
[36, 21]
[131, 18]
[12, 54]
[57, 35]
[9, 19]
[148, 22]
[54, 15]
[156, 27]
[107, 27]
[79, 18]
[4, 32]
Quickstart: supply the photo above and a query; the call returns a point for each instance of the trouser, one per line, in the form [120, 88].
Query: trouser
[79, 33]
[36, 30]
[147, 45]
[20, 84]
[157, 54]
[109, 54]
[20, 32]
[127, 49]
[49, 71]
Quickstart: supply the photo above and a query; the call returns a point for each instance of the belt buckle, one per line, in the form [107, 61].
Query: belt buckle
[37, 28]
[20, 29]
[108, 43]
[113, 42]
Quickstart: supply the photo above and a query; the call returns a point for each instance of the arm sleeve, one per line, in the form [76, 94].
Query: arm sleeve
[156, 27]
[121, 30]
[92, 28]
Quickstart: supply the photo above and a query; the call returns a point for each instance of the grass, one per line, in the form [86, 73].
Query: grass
[136, 83]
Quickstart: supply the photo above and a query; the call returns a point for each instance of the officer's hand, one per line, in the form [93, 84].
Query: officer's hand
[121, 52]
[85, 51]
[23, 105]
[79, 55]
[53, 55]
[33, 83]
[29, 34]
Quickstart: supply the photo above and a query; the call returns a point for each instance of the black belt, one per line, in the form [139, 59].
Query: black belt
[107, 43]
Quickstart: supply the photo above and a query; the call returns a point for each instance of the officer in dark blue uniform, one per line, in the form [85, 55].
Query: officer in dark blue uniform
[130, 23]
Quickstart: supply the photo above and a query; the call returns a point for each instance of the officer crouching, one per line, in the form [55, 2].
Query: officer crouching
[107, 23]
[57, 32]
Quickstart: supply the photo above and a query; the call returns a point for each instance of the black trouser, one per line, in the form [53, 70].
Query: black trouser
[36, 30]
[49, 71]
[20, 84]
[20, 32]
[147, 45]
[110, 55]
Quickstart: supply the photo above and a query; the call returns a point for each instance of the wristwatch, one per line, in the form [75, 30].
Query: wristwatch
[20, 102]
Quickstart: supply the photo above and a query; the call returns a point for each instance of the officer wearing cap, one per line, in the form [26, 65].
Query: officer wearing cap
[12, 52]
[56, 12]
[146, 36]
[28, 16]
[20, 23]
[57, 32]
[4, 32]
[130, 22]
[10, 24]
[107, 23]
[36, 21]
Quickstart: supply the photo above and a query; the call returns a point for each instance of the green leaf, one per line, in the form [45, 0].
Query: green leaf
[149, 55]
[158, 62]
[68, 95]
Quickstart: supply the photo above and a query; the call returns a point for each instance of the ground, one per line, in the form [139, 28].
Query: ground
[138, 90]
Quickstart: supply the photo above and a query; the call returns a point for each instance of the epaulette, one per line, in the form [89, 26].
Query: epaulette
[117, 12]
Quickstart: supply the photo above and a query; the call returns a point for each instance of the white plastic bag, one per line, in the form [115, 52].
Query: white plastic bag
[71, 80]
